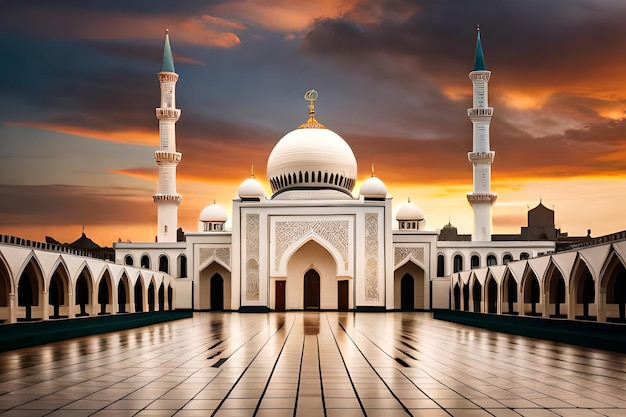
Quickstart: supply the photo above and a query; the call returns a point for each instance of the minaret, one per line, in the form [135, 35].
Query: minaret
[481, 157]
[167, 199]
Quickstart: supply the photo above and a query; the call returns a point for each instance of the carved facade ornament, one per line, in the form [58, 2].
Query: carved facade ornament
[334, 232]
[402, 252]
[223, 254]
[252, 257]
[371, 256]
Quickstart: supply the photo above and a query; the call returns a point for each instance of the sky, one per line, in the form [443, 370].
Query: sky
[79, 86]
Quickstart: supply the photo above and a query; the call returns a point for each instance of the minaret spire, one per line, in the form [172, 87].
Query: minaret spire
[481, 157]
[167, 199]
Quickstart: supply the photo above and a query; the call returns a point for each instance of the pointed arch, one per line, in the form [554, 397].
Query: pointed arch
[83, 290]
[509, 294]
[613, 287]
[105, 292]
[30, 288]
[139, 295]
[491, 296]
[531, 293]
[161, 297]
[582, 291]
[59, 290]
[207, 292]
[457, 296]
[477, 290]
[170, 297]
[145, 261]
[312, 237]
[124, 294]
[164, 263]
[410, 285]
[554, 290]
[152, 296]
[7, 288]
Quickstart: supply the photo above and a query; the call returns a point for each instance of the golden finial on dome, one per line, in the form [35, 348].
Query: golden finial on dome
[311, 97]
[252, 171]
[372, 170]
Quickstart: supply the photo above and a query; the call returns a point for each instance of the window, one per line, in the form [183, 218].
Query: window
[440, 265]
[507, 258]
[164, 264]
[475, 261]
[524, 255]
[458, 263]
[128, 260]
[492, 260]
[145, 262]
[182, 266]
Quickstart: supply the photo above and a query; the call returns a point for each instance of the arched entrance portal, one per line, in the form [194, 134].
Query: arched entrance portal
[407, 292]
[217, 292]
[311, 290]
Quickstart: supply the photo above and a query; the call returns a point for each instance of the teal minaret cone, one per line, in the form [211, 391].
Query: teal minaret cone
[481, 198]
[168, 60]
[167, 199]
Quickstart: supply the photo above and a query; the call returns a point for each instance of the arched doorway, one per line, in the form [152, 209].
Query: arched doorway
[582, 292]
[151, 297]
[311, 290]
[170, 297]
[556, 288]
[205, 297]
[138, 296]
[5, 290]
[104, 293]
[28, 291]
[477, 291]
[492, 295]
[83, 292]
[614, 280]
[531, 294]
[161, 297]
[217, 293]
[509, 294]
[466, 297]
[407, 292]
[58, 293]
[121, 297]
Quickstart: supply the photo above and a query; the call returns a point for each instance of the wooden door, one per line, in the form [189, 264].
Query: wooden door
[342, 295]
[311, 290]
[280, 296]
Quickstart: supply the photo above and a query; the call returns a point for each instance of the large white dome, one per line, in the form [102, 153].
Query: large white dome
[311, 158]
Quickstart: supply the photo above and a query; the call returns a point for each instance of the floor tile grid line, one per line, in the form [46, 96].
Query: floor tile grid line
[295, 407]
[240, 343]
[467, 360]
[248, 367]
[345, 365]
[545, 348]
[278, 356]
[374, 369]
[319, 368]
[376, 345]
[456, 371]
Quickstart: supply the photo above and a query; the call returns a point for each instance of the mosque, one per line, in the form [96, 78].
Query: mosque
[317, 243]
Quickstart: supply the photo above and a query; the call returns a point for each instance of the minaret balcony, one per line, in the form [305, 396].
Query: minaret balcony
[176, 198]
[481, 198]
[481, 157]
[484, 111]
[172, 114]
[164, 157]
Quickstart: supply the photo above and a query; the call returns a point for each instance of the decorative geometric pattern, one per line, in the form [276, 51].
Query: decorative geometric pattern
[223, 254]
[371, 256]
[335, 232]
[402, 252]
[252, 257]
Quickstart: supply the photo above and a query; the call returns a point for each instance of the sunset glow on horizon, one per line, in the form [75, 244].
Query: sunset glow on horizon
[78, 128]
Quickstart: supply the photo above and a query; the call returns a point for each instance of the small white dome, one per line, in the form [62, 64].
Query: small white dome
[408, 212]
[214, 214]
[251, 189]
[373, 187]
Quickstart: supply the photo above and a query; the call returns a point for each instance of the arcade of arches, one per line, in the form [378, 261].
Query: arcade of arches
[29, 296]
[570, 292]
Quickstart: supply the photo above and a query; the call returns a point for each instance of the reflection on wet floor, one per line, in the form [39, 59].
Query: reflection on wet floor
[311, 364]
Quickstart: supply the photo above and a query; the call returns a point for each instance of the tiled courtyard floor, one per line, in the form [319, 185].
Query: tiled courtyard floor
[311, 364]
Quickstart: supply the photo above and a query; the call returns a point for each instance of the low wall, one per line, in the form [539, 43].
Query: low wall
[608, 336]
[20, 335]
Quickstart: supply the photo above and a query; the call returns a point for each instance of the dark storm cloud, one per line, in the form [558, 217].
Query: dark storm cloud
[523, 41]
[65, 205]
